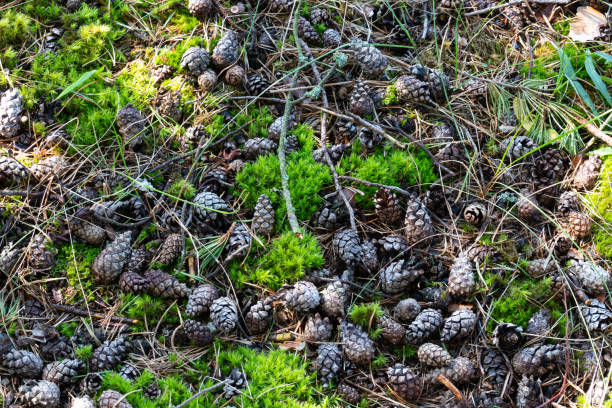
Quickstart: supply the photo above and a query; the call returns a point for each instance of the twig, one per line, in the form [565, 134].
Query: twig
[197, 394]
[512, 3]
[452, 388]
[595, 131]
[78, 312]
[372, 184]
[377, 129]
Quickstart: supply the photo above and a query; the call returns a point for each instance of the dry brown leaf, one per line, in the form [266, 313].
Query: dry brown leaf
[585, 27]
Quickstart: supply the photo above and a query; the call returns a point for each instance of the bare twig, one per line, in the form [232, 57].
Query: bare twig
[78, 312]
[197, 394]
[512, 3]
[372, 184]
[595, 131]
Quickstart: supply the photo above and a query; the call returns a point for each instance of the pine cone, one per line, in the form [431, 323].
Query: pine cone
[404, 382]
[200, 300]
[568, 202]
[258, 146]
[11, 171]
[347, 246]
[22, 363]
[113, 399]
[139, 260]
[320, 15]
[328, 362]
[109, 354]
[494, 366]
[329, 217]
[433, 355]
[541, 267]
[475, 214]
[461, 281]
[425, 325]
[307, 31]
[537, 360]
[349, 394]
[198, 332]
[331, 38]
[110, 262]
[597, 317]
[444, 133]
[333, 298]
[8, 258]
[391, 331]
[160, 73]
[239, 240]
[460, 371]
[39, 256]
[56, 348]
[11, 106]
[335, 153]
[587, 173]
[224, 314]
[91, 383]
[275, 128]
[207, 80]
[84, 401]
[302, 297]
[280, 5]
[438, 81]
[527, 207]
[407, 310]
[163, 285]
[129, 373]
[200, 8]
[453, 156]
[412, 90]
[528, 393]
[369, 256]
[49, 167]
[357, 346]
[235, 381]
[577, 224]
[368, 139]
[41, 394]
[208, 207]
[593, 278]
[131, 124]
[259, 316]
[255, 84]
[88, 232]
[170, 250]
[459, 325]
[371, 61]
[396, 277]
[62, 372]
[360, 102]
[131, 282]
[418, 227]
[344, 131]
[152, 391]
[516, 147]
[387, 205]
[507, 336]
[226, 51]
[393, 246]
[539, 323]
[513, 17]
[317, 329]
[235, 75]
[195, 60]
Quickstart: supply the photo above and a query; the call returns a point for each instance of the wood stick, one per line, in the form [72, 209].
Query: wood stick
[84, 313]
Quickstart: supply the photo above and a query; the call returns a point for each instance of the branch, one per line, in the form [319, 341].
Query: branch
[372, 184]
[512, 3]
[595, 131]
[78, 312]
[197, 394]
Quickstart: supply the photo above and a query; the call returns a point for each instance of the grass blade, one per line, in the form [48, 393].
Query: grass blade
[568, 70]
[78, 83]
[596, 78]
[606, 57]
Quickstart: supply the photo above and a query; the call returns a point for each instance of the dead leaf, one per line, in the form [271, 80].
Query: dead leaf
[585, 27]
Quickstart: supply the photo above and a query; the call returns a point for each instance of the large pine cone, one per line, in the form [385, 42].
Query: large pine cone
[41, 394]
[224, 314]
[347, 245]
[425, 325]
[170, 250]
[328, 362]
[198, 332]
[11, 106]
[405, 382]
[166, 286]
[459, 325]
[109, 264]
[22, 363]
[371, 61]
[131, 124]
[226, 51]
[357, 346]
[398, 276]
[109, 354]
[200, 300]
[302, 297]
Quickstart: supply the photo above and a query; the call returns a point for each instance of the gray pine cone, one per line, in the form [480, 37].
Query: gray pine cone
[11, 106]
[200, 300]
[195, 60]
[396, 277]
[109, 264]
[458, 325]
[425, 325]
[109, 354]
[224, 314]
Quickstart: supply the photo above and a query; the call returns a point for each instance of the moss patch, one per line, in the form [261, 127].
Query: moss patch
[601, 198]
[74, 261]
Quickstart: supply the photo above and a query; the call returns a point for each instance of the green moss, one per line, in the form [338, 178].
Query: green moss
[364, 314]
[390, 96]
[258, 120]
[74, 262]
[136, 84]
[601, 199]
[172, 56]
[67, 328]
[181, 189]
[288, 259]
[396, 168]
[148, 310]
[15, 28]
[84, 353]
[9, 58]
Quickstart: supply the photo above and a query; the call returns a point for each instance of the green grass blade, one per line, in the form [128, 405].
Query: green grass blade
[77, 84]
[596, 78]
[606, 57]
[569, 72]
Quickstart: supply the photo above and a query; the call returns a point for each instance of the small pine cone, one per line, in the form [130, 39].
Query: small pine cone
[274, 130]
[170, 250]
[407, 310]
[516, 147]
[425, 325]
[587, 174]
[163, 285]
[335, 153]
[224, 314]
[208, 207]
[436, 297]
[444, 133]
[58, 347]
[539, 323]
[328, 362]
[39, 256]
[258, 146]
[160, 73]
[198, 332]
[568, 202]
[259, 316]
[458, 325]
[139, 260]
[513, 17]
[412, 90]
[49, 167]
[235, 75]
[537, 360]
[9, 256]
[541, 267]
[369, 256]
[317, 329]
[109, 354]
[527, 207]
[577, 225]
[433, 355]
[331, 38]
[344, 131]
[152, 391]
[391, 331]
[329, 217]
[347, 246]
[84, 401]
[597, 317]
[129, 373]
[357, 346]
[475, 214]
[320, 15]
[91, 383]
[319, 276]
[307, 31]
[393, 246]
[418, 227]
[438, 81]
[255, 84]
[11, 171]
[226, 51]
[11, 106]
[292, 144]
[22, 363]
[494, 366]
[387, 205]
[460, 371]
[561, 246]
[131, 124]
[168, 104]
[200, 300]
[482, 253]
[239, 240]
[396, 277]
[113, 399]
[507, 336]
[302, 297]
[207, 80]
[529, 393]
[461, 280]
[593, 278]
[360, 102]
[195, 60]
[372, 62]
[131, 282]
[62, 372]
[404, 382]
[200, 8]
[41, 394]
[88, 232]
[333, 299]
[109, 264]
[349, 394]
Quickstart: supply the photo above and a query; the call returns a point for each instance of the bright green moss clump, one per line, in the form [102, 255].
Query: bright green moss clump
[15, 28]
[74, 261]
[601, 199]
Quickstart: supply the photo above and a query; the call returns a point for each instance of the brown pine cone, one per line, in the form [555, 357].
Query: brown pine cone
[166, 286]
[405, 382]
[170, 250]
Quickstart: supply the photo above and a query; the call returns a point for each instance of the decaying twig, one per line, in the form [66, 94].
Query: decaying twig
[78, 312]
